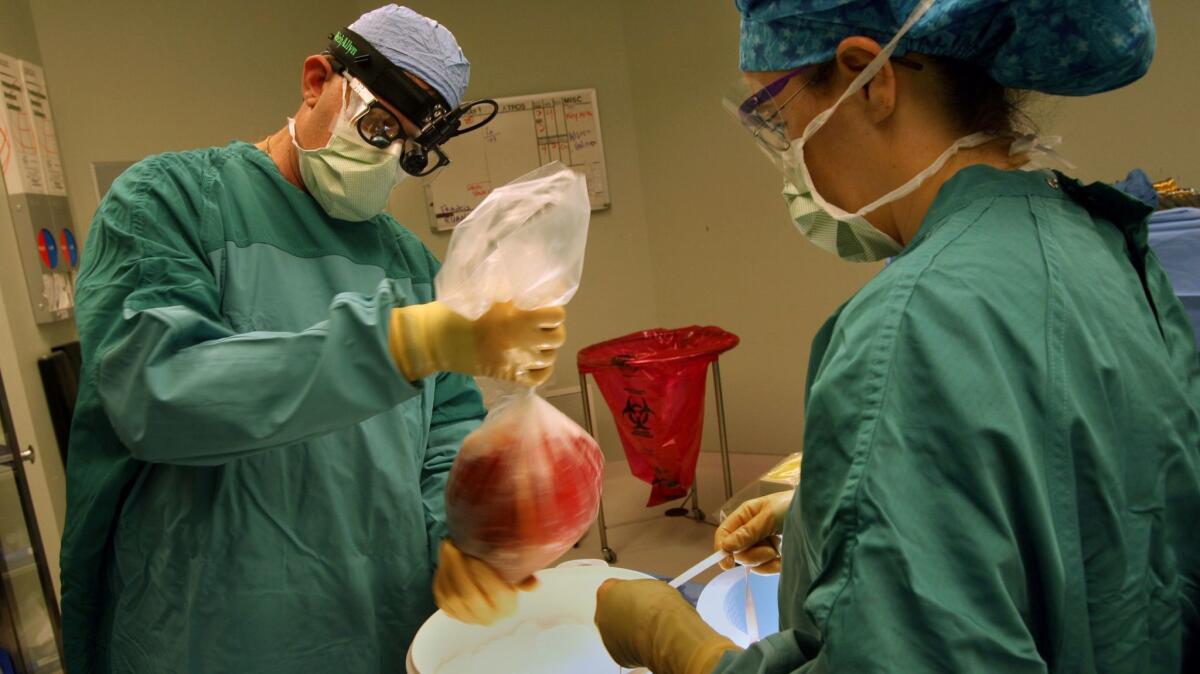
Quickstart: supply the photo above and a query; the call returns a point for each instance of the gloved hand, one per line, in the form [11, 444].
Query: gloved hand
[751, 534]
[505, 343]
[647, 623]
[468, 589]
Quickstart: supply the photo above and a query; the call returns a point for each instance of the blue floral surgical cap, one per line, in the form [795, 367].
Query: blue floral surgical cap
[420, 45]
[1066, 47]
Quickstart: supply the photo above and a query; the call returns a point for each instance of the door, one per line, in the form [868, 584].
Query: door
[29, 617]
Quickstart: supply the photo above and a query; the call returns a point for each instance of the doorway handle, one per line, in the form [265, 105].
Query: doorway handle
[25, 455]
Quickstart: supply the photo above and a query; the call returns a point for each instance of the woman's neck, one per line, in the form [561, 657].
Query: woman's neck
[907, 214]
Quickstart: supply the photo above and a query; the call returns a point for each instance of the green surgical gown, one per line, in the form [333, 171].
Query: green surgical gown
[1002, 452]
[252, 484]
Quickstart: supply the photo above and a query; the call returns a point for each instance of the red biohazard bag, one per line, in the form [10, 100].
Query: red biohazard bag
[654, 384]
[525, 485]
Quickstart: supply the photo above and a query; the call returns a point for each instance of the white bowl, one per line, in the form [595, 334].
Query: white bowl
[564, 595]
[722, 604]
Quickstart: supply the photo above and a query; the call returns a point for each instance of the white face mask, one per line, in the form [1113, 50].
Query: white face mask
[849, 235]
[348, 177]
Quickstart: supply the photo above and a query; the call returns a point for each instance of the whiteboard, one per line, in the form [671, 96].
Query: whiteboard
[528, 132]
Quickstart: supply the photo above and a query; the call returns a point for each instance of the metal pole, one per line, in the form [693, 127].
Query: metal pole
[609, 555]
[25, 496]
[716, 367]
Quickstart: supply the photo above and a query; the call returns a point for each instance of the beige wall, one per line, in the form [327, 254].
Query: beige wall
[1153, 123]
[139, 77]
[22, 341]
[520, 48]
[159, 76]
[697, 232]
[723, 248]
[179, 75]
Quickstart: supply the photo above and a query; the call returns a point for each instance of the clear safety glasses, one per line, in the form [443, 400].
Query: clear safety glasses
[761, 112]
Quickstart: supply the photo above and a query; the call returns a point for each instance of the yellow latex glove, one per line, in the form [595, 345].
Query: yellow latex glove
[468, 589]
[751, 534]
[647, 623]
[505, 343]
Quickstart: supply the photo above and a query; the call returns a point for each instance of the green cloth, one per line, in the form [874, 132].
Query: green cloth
[1002, 452]
[252, 484]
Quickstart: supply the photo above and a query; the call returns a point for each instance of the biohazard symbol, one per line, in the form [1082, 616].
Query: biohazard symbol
[637, 411]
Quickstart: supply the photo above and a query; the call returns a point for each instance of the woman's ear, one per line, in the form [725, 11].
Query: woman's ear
[878, 95]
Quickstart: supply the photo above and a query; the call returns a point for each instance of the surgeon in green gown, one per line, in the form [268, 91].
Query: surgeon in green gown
[271, 398]
[1002, 429]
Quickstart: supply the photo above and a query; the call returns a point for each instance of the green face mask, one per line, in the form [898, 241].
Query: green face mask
[349, 178]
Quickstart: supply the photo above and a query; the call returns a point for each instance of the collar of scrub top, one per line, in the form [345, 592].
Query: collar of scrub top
[428, 110]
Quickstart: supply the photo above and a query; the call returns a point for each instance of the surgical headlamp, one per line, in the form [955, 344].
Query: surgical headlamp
[427, 110]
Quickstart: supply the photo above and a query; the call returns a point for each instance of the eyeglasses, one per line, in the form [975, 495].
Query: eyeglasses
[380, 127]
[421, 153]
[377, 125]
[762, 115]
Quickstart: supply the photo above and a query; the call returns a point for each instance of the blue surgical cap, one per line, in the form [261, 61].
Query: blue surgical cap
[1065, 47]
[420, 45]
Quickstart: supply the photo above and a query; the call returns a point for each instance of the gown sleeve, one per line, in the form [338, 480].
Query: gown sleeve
[178, 384]
[458, 410]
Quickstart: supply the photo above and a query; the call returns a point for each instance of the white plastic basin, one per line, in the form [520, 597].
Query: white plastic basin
[722, 604]
[565, 596]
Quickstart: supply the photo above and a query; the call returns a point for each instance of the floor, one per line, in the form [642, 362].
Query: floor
[645, 539]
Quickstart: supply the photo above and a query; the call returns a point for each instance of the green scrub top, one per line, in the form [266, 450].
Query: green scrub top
[1001, 451]
[252, 484]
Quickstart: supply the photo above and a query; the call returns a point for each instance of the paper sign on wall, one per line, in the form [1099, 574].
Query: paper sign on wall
[34, 81]
[528, 132]
[32, 170]
[19, 157]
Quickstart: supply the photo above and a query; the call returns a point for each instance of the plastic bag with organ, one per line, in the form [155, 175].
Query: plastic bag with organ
[526, 484]
[524, 488]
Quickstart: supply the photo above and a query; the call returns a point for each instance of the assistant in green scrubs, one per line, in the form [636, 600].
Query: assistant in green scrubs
[1002, 428]
[254, 485]
[1001, 451]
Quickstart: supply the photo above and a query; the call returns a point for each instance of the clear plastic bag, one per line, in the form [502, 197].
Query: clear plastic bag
[523, 244]
[526, 484]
